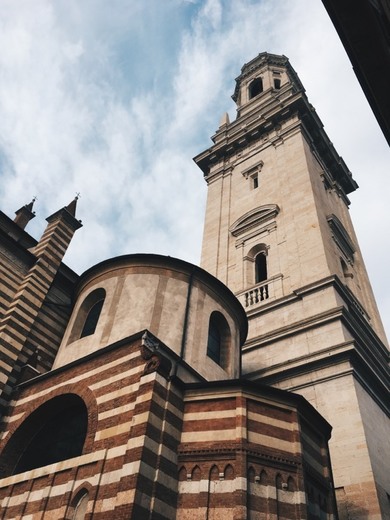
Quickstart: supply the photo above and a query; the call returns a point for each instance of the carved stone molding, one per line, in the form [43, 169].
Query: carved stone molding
[155, 360]
[341, 237]
[253, 170]
[254, 218]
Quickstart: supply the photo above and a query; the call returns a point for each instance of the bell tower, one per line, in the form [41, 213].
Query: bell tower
[279, 234]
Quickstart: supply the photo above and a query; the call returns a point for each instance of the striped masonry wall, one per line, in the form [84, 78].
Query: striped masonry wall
[128, 466]
[241, 456]
[24, 294]
[317, 472]
[48, 328]
[156, 448]
[11, 277]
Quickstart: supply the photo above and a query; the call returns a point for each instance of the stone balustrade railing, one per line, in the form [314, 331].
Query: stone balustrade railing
[262, 292]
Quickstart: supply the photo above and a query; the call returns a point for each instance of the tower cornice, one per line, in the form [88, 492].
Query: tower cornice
[247, 129]
[265, 58]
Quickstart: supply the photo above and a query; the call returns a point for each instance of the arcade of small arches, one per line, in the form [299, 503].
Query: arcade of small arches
[226, 472]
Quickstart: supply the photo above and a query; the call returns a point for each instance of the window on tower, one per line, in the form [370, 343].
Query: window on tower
[257, 276]
[253, 174]
[341, 237]
[260, 267]
[255, 88]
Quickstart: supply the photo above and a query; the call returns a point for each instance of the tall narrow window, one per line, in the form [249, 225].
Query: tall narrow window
[214, 342]
[218, 341]
[255, 88]
[260, 267]
[88, 315]
[255, 181]
[81, 505]
[92, 319]
[277, 83]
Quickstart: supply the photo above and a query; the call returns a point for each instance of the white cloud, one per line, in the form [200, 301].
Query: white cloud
[114, 99]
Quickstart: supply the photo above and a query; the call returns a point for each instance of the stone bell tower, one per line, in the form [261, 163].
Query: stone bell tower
[279, 234]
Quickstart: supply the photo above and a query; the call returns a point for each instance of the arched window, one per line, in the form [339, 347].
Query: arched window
[229, 472]
[279, 481]
[81, 503]
[182, 474]
[218, 342]
[277, 83]
[260, 267]
[214, 342]
[251, 474]
[291, 484]
[88, 315]
[256, 264]
[55, 431]
[214, 473]
[196, 473]
[255, 88]
[92, 319]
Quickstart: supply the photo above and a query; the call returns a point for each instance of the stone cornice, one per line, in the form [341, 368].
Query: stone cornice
[346, 354]
[254, 218]
[261, 60]
[66, 216]
[247, 129]
[365, 353]
[358, 318]
[229, 449]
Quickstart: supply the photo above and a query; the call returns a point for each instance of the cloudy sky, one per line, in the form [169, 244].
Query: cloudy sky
[112, 99]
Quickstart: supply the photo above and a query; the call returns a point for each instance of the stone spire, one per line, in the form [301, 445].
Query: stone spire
[71, 207]
[25, 214]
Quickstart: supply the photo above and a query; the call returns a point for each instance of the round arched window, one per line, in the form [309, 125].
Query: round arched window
[88, 315]
[218, 342]
[80, 505]
[54, 432]
[255, 88]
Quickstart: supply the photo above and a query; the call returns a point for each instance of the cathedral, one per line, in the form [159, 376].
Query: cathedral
[255, 386]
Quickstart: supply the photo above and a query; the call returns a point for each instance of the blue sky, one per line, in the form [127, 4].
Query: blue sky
[113, 99]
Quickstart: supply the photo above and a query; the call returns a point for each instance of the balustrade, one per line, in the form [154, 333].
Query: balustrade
[256, 295]
[270, 289]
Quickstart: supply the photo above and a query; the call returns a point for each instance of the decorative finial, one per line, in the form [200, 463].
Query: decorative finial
[31, 204]
[25, 214]
[224, 120]
[71, 207]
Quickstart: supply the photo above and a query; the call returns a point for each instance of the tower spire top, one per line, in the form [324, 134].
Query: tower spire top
[71, 207]
[25, 214]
